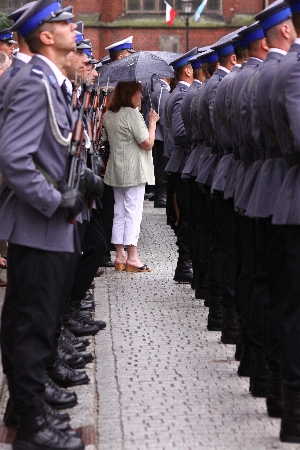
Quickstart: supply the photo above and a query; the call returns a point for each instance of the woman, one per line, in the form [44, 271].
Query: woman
[129, 168]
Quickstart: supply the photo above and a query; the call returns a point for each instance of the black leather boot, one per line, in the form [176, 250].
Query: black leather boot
[239, 347]
[183, 271]
[215, 315]
[290, 422]
[244, 369]
[65, 376]
[70, 355]
[259, 373]
[79, 327]
[274, 399]
[57, 397]
[229, 326]
[60, 421]
[77, 342]
[35, 431]
[201, 290]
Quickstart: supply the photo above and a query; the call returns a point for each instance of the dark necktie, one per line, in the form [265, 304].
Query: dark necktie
[67, 95]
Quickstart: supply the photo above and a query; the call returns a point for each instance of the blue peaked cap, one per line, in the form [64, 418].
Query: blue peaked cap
[196, 60]
[41, 11]
[7, 36]
[252, 33]
[209, 57]
[274, 14]
[183, 60]
[294, 5]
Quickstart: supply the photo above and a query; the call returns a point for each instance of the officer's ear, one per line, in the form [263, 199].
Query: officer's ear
[46, 37]
[233, 59]
[264, 44]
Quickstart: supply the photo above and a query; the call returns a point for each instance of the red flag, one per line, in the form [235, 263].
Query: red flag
[170, 14]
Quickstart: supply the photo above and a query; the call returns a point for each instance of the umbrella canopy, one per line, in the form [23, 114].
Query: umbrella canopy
[137, 67]
[166, 56]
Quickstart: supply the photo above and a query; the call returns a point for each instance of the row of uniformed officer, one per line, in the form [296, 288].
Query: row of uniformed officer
[244, 156]
[35, 211]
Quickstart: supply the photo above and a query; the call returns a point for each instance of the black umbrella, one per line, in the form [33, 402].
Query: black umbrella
[137, 67]
[166, 56]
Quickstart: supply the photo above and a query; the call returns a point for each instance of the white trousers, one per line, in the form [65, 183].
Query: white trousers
[128, 213]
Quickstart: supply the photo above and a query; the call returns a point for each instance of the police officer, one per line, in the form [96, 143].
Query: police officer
[7, 42]
[228, 265]
[35, 204]
[159, 95]
[224, 52]
[184, 73]
[192, 127]
[120, 49]
[266, 310]
[285, 105]
[253, 38]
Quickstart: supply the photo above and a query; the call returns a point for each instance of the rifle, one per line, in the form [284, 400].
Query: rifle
[76, 158]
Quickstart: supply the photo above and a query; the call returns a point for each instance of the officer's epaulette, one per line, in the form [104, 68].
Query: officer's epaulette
[14, 71]
[221, 77]
[37, 71]
[298, 56]
[182, 89]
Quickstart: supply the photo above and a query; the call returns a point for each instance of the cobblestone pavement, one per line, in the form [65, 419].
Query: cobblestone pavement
[160, 380]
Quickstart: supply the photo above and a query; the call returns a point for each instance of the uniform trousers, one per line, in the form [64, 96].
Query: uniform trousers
[37, 289]
[159, 162]
[229, 260]
[291, 316]
[275, 242]
[128, 213]
[93, 246]
[182, 190]
[215, 249]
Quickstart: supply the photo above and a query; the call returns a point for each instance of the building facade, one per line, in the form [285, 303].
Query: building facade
[107, 22]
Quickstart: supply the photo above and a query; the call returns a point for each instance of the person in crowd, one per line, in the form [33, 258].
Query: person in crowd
[5, 62]
[34, 221]
[7, 42]
[129, 167]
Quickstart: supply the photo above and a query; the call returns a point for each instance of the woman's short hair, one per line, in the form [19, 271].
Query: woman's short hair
[122, 95]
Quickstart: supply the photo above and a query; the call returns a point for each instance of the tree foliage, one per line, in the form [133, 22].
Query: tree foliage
[4, 21]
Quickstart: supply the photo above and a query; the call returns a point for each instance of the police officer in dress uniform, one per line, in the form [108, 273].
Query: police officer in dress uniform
[191, 161]
[53, 394]
[7, 42]
[192, 167]
[184, 73]
[159, 96]
[224, 52]
[285, 106]
[253, 38]
[228, 267]
[280, 34]
[35, 204]
[259, 292]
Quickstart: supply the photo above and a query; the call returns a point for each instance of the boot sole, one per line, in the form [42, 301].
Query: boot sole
[74, 383]
[258, 393]
[59, 406]
[243, 373]
[21, 445]
[213, 328]
[289, 438]
[228, 341]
